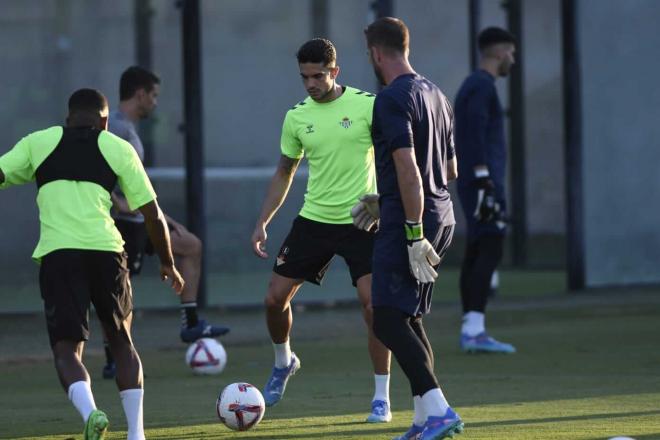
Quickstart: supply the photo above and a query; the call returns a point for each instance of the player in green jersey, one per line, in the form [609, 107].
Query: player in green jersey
[80, 250]
[332, 129]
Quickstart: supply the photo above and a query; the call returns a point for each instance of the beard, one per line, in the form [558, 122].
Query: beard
[504, 69]
[322, 95]
[379, 75]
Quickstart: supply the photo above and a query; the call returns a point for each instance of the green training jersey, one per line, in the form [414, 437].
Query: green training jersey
[336, 139]
[75, 214]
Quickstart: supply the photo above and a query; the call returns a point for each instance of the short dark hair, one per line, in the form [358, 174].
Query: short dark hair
[317, 50]
[87, 102]
[494, 35]
[389, 33]
[135, 78]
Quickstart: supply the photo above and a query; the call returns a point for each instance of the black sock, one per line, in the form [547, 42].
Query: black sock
[108, 353]
[188, 314]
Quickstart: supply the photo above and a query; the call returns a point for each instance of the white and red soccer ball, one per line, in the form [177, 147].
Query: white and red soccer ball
[206, 356]
[240, 406]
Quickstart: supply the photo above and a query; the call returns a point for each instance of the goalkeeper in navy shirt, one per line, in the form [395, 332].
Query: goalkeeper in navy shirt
[412, 134]
[479, 136]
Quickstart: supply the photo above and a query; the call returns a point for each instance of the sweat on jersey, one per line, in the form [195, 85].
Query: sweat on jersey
[335, 137]
[75, 170]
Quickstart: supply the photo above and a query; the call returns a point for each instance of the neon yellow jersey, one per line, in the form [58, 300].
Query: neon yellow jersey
[76, 214]
[335, 137]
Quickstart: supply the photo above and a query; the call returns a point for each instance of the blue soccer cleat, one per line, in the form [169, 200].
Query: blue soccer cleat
[96, 426]
[482, 343]
[202, 330]
[274, 389]
[436, 428]
[412, 433]
[380, 412]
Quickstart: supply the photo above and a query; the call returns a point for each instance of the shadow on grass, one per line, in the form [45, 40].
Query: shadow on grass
[563, 419]
[270, 435]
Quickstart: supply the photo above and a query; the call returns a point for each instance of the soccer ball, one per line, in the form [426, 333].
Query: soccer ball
[240, 406]
[206, 356]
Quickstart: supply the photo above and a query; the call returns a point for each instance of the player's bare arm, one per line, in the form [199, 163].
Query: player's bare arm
[277, 191]
[452, 169]
[410, 183]
[159, 235]
[174, 225]
[421, 255]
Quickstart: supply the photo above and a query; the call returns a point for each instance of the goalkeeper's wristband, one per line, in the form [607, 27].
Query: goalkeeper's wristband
[481, 173]
[414, 231]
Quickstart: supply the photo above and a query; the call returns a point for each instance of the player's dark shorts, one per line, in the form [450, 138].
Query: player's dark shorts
[392, 283]
[72, 278]
[136, 243]
[308, 250]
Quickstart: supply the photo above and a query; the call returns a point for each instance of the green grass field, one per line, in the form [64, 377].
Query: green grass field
[588, 368]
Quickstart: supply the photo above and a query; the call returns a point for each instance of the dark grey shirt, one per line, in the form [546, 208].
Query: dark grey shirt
[120, 125]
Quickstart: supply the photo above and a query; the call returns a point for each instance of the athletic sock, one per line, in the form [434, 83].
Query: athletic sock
[189, 314]
[108, 354]
[420, 416]
[473, 323]
[382, 387]
[131, 400]
[80, 394]
[282, 354]
[434, 403]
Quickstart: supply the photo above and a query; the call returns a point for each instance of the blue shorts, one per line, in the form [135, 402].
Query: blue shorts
[392, 283]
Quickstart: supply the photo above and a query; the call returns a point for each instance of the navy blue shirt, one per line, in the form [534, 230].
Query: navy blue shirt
[412, 112]
[479, 131]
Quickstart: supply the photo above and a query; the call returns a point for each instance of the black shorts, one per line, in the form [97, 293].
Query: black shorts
[308, 250]
[136, 243]
[72, 278]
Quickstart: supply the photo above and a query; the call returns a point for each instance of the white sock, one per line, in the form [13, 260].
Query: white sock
[282, 354]
[420, 416]
[495, 280]
[473, 323]
[382, 390]
[434, 403]
[131, 400]
[80, 394]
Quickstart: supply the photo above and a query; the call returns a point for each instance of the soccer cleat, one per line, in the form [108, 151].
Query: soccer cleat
[380, 412]
[96, 426]
[437, 428]
[274, 389]
[412, 433]
[202, 330]
[482, 343]
[109, 370]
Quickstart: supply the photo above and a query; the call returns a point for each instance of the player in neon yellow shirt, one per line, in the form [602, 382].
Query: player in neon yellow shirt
[80, 250]
[332, 129]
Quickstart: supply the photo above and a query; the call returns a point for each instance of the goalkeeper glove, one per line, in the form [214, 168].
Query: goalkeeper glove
[421, 255]
[366, 213]
[487, 207]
